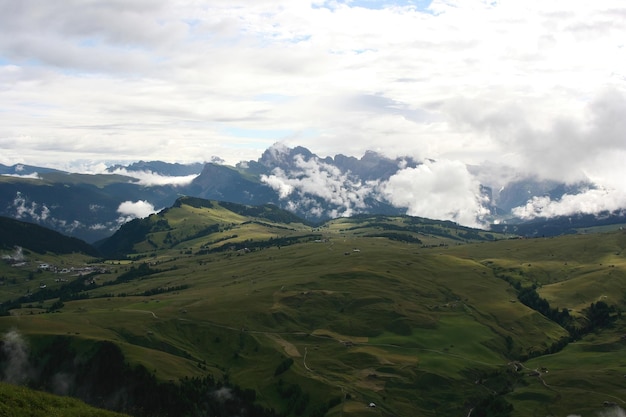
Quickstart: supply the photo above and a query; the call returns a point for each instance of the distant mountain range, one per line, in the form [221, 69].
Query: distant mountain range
[92, 207]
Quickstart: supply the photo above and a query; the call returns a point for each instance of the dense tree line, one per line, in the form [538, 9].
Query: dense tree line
[283, 366]
[143, 270]
[597, 316]
[268, 225]
[101, 377]
[529, 297]
[78, 290]
[424, 226]
[74, 290]
[398, 237]
[492, 406]
[260, 244]
[122, 242]
[429, 229]
[39, 239]
[196, 202]
[163, 290]
[213, 228]
[270, 212]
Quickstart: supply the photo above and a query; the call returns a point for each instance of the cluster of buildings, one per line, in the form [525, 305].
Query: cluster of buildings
[71, 270]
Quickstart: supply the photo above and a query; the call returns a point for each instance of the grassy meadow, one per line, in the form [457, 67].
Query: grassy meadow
[412, 316]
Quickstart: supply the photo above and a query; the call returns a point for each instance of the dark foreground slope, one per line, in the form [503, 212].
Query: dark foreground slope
[39, 239]
[416, 316]
[18, 401]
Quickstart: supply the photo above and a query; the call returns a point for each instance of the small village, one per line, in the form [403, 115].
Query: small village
[18, 260]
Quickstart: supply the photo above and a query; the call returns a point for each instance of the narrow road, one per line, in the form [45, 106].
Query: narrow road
[304, 360]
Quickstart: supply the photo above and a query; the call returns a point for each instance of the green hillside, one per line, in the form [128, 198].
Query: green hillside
[191, 221]
[419, 317]
[17, 401]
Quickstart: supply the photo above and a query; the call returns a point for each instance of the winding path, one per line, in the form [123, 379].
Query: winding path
[140, 311]
[516, 364]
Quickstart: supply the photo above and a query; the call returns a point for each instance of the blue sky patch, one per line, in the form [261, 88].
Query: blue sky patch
[421, 5]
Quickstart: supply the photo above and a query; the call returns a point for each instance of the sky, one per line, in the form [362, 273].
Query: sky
[531, 87]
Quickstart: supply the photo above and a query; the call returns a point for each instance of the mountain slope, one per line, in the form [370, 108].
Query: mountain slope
[417, 316]
[219, 182]
[84, 206]
[192, 218]
[317, 189]
[16, 401]
[24, 170]
[160, 168]
[39, 239]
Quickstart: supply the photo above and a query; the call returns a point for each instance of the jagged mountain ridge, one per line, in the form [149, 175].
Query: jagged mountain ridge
[161, 168]
[90, 207]
[371, 166]
[24, 170]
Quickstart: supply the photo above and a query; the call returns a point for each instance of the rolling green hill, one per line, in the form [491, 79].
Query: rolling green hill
[419, 317]
[192, 218]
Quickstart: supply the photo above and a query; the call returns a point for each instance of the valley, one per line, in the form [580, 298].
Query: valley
[369, 315]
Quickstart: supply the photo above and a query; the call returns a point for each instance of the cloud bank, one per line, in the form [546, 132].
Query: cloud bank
[24, 209]
[34, 176]
[588, 202]
[443, 190]
[314, 178]
[183, 81]
[130, 210]
[149, 178]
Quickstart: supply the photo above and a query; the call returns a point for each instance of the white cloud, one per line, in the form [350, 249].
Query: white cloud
[16, 351]
[175, 73]
[33, 176]
[315, 178]
[223, 394]
[135, 209]
[539, 86]
[589, 202]
[29, 209]
[25, 209]
[279, 182]
[613, 412]
[149, 178]
[442, 190]
[565, 147]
